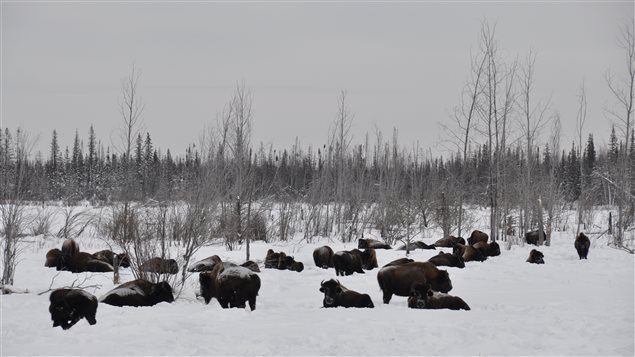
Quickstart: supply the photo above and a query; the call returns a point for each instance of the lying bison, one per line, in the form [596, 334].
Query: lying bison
[54, 258]
[139, 293]
[68, 306]
[536, 257]
[477, 236]
[231, 286]
[336, 295]
[108, 256]
[488, 249]
[422, 297]
[416, 245]
[371, 243]
[398, 279]
[160, 266]
[206, 264]
[533, 237]
[582, 244]
[323, 257]
[447, 259]
[253, 266]
[468, 253]
[281, 261]
[348, 262]
[70, 247]
[81, 262]
[449, 242]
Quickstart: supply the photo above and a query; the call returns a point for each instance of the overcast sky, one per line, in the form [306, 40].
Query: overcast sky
[403, 65]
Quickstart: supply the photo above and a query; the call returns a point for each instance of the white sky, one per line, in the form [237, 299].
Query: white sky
[403, 65]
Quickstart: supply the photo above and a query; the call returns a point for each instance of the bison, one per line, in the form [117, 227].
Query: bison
[231, 286]
[70, 247]
[206, 264]
[68, 306]
[468, 253]
[477, 236]
[533, 238]
[82, 262]
[348, 262]
[449, 242]
[399, 261]
[582, 244]
[536, 257]
[416, 245]
[323, 257]
[108, 256]
[371, 243]
[488, 249]
[369, 259]
[251, 265]
[422, 297]
[281, 261]
[160, 266]
[139, 293]
[336, 295]
[447, 259]
[398, 279]
[54, 258]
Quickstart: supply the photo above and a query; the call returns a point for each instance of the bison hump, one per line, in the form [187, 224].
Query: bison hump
[235, 271]
[124, 291]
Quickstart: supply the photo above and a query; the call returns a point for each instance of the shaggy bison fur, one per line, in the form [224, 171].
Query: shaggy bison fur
[336, 295]
[488, 249]
[68, 306]
[371, 243]
[422, 297]
[54, 258]
[281, 261]
[231, 286]
[139, 293]
[398, 279]
[536, 257]
[108, 256]
[70, 247]
[206, 264]
[448, 260]
[582, 244]
[468, 253]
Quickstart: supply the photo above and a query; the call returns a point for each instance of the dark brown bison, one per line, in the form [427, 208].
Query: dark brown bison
[369, 259]
[251, 265]
[417, 245]
[398, 279]
[336, 295]
[68, 306]
[532, 237]
[231, 286]
[536, 257]
[108, 256]
[82, 262]
[297, 266]
[399, 261]
[139, 293]
[160, 266]
[448, 260]
[488, 249]
[371, 243]
[422, 297]
[53, 258]
[468, 253]
[477, 236]
[323, 257]
[206, 264]
[582, 244]
[348, 262]
[70, 247]
[449, 242]
[281, 261]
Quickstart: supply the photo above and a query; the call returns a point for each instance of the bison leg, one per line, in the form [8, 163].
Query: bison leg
[387, 296]
[252, 303]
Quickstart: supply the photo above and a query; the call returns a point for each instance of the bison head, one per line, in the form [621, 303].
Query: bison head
[494, 249]
[442, 282]
[418, 296]
[161, 292]
[331, 289]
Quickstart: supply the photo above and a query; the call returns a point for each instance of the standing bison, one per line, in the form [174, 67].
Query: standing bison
[582, 244]
[231, 286]
[348, 262]
[139, 293]
[336, 295]
[422, 297]
[323, 257]
[68, 306]
[533, 237]
[398, 279]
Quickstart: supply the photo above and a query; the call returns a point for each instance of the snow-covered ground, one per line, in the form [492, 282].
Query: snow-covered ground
[564, 307]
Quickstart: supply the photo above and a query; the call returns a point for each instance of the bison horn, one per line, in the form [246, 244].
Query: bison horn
[322, 283]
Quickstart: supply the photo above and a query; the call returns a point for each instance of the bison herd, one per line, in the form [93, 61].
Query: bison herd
[233, 285]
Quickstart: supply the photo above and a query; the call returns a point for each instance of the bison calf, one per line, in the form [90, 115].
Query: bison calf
[582, 244]
[336, 295]
[422, 297]
[536, 257]
[68, 306]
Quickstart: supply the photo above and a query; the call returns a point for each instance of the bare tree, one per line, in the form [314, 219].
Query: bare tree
[130, 107]
[580, 120]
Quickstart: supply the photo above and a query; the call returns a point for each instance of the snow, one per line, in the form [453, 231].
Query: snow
[565, 307]
[237, 271]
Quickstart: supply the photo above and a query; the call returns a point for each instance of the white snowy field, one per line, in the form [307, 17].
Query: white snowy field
[564, 307]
